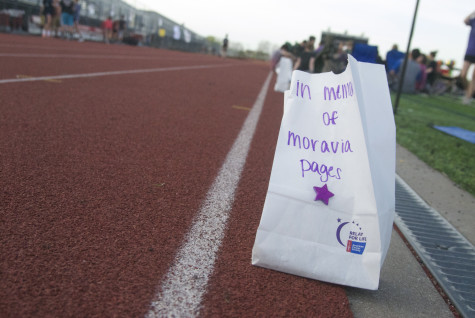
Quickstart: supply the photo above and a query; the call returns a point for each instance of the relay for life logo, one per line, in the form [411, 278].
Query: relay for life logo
[351, 236]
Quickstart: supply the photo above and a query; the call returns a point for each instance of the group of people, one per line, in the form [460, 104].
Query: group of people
[307, 57]
[303, 55]
[114, 30]
[423, 73]
[61, 17]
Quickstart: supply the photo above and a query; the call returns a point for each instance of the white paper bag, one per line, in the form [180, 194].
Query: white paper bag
[284, 74]
[330, 204]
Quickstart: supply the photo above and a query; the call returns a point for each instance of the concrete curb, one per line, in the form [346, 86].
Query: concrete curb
[405, 289]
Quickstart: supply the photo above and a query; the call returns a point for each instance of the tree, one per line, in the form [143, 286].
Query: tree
[264, 47]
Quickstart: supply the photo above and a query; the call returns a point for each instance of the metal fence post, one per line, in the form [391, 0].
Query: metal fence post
[403, 73]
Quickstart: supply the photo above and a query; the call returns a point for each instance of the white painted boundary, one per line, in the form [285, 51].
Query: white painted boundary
[185, 283]
[75, 50]
[91, 56]
[148, 70]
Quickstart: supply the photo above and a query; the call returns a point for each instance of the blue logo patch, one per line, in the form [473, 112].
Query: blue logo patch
[353, 235]
[355, 247]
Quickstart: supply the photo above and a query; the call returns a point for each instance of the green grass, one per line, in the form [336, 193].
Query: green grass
[416, 114]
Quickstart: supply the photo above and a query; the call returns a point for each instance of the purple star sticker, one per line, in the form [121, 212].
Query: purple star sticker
[323, 194]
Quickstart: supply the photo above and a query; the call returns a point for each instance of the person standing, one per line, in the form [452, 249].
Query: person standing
[67, 18]
[47, 9]
[224, 48]
[122, 26]
[282, 65]
[311, 40]
[320, 55]
[432, 71]
[56, 23]
[107, 29]
[469, 59]
[306, 61]
[77, 15]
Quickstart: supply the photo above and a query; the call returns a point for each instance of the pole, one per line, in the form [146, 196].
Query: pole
[403, 73]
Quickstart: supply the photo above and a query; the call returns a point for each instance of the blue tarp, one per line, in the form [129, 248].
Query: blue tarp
[365, 53]
[458, 132]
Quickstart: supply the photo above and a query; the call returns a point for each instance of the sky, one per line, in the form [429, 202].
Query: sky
[439, 23]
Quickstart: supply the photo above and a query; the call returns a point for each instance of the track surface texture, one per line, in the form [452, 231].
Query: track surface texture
[103, 174]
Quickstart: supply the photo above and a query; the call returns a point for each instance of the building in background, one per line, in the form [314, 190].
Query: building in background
[142, 27]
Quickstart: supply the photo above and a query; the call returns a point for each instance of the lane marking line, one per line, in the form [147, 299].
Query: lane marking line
[75, 50]
[185, 283]
[87, 56]
[241, 107]
[111, 73]
[49, 80]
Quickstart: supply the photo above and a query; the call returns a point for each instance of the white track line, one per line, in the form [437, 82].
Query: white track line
[88, 56]
[77, 49]
[181, 291]
[148, 70]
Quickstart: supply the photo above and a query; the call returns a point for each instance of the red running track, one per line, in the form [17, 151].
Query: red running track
[102, 175]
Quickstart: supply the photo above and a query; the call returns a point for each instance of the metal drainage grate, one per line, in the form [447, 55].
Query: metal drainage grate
[448, 255]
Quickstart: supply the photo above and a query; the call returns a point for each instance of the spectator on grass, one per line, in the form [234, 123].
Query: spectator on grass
[107, 29]
[450, 66]
[393, 57]
[422, 80]
[469, 59]
[432, 70]
[47, 9]
[413, 73]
